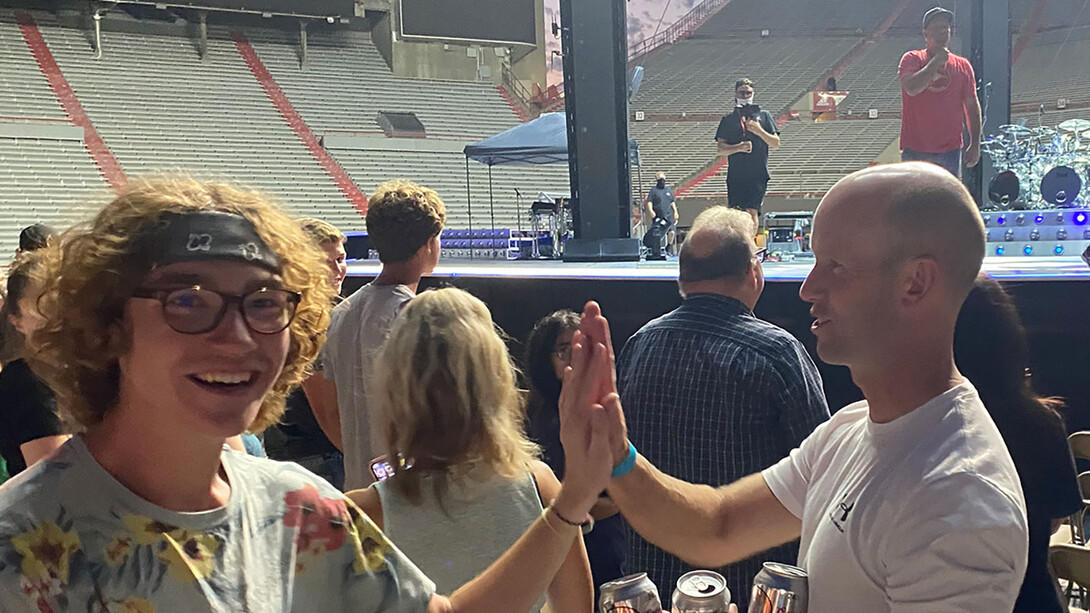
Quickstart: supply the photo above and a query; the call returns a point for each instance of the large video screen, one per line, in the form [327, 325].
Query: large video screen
[510, 21]
[335, 8]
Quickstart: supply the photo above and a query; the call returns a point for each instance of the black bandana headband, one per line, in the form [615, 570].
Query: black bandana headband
[207, 235]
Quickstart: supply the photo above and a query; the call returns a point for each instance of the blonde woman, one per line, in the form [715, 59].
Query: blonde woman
[467, 482]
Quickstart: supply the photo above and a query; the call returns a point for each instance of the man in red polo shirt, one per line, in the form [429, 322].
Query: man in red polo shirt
[938, 91]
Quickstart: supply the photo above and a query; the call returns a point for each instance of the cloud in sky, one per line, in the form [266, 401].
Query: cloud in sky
[643, 21]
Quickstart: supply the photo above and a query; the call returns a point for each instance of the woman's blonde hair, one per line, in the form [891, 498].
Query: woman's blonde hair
[95, 267]
[445, 386]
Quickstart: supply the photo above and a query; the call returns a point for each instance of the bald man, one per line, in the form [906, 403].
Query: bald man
[905, 502]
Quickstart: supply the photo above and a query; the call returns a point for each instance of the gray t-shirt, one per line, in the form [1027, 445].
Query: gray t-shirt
[454, 538]
[357, 329]
[72, 538]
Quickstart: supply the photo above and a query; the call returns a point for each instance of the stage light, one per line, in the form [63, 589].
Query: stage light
[987, 219]
[1021, 219]
[1028, 250]
[1002, 219]
[1008, 235]
[1000, 250]
[1035, 235]
[1086, 234]
[1080, 218]
[1039, 219]
[1061, 234]
[1058, 249]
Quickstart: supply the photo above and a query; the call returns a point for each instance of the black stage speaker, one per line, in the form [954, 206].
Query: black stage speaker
[602, 250]
[596, 86]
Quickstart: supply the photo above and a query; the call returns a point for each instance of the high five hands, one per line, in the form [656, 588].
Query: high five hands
[592, 425]
[590, 408]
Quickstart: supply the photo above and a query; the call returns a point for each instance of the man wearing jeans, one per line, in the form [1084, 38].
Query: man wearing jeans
[938, 90]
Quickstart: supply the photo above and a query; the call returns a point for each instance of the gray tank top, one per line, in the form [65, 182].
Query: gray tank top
[482, 515]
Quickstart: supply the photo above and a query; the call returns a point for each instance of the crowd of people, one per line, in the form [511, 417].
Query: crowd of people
[141, 347]
[154, 355]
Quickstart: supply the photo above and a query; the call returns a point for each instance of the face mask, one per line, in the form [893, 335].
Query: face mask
[744, 101]
[661, 183]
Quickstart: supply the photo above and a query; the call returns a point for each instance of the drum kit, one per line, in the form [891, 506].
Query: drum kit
[1038, 168]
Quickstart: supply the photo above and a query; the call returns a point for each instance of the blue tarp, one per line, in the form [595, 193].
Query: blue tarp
[541, 141]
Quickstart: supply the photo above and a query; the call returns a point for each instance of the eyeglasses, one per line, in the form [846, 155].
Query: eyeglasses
[761, 254]
[196, 310]
[563, 352]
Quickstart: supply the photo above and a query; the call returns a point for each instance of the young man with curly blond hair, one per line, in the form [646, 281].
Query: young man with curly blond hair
[403, 225]
[180, 316]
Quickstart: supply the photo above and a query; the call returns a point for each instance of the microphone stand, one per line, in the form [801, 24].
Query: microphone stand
[518, 219]
[518, 203]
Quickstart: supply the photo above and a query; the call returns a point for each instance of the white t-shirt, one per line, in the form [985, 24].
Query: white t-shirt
[357, 328]
[924, 513]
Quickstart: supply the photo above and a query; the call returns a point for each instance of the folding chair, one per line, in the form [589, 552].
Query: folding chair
[1080, 445]
[1071, 563]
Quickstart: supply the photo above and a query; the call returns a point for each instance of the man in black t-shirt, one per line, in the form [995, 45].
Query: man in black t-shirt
[660, 203]
[745, 136]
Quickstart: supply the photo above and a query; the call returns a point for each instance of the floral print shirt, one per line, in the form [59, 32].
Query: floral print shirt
[72, 538]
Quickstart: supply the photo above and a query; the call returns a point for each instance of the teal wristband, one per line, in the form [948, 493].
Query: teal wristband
[629, 463]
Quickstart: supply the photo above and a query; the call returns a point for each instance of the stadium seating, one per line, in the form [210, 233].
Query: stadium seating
[25, 92]
[45, 181]
[345, 83]
[697, 75]
[812, 156]
[1055, 65]
[445, 172]
[678, 148]
[158, 106]
[41, 180]
[796, 17]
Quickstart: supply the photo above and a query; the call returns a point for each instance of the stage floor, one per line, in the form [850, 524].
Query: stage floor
[1004, 268]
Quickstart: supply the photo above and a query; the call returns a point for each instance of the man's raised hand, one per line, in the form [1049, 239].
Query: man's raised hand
[584, 429]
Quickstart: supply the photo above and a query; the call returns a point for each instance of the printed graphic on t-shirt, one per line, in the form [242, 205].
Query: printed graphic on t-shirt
[944, 81]
[839, 515]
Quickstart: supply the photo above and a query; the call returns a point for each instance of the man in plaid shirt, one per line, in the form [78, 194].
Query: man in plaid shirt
[711, 393]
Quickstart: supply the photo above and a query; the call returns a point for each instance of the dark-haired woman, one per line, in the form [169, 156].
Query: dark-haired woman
[992, 350]
[29, 427]
[548, 353]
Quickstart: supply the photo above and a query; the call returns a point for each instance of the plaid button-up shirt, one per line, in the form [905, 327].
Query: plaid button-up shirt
[712, 394]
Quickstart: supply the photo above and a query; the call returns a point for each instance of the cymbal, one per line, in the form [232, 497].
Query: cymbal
[1074, 125]
[1017, 130]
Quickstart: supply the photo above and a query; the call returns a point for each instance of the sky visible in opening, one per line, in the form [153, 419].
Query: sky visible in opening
[643, 19]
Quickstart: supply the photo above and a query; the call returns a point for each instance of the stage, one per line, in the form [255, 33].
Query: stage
[1051, 292]
[1004, 268]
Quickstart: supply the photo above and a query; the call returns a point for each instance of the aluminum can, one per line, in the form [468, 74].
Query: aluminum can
[631, 594]
[779, 588]
[701, 591]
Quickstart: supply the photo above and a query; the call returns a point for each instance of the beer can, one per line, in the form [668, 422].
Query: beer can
[779, 588]
[701, 591]
[631, 594]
